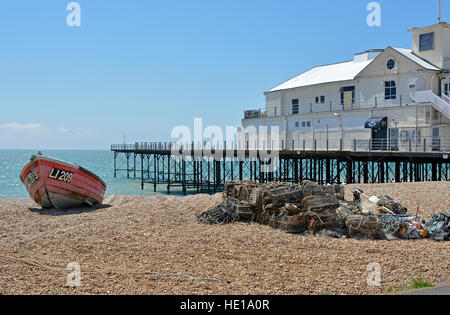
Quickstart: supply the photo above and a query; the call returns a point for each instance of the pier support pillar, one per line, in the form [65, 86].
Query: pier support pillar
[350, 179]
[366, 172]
[241, 170]
[142, 172]
[434, 172]
[115, 164]
[397, 172]
[328, 171]
[154, 173]
[134, 165]
[168, 174]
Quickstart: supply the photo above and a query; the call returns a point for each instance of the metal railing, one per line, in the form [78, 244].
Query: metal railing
[441, 104]
[424, 144]
[252, 114]
[337, 105]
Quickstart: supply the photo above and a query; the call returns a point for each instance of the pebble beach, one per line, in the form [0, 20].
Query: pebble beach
[154, 245]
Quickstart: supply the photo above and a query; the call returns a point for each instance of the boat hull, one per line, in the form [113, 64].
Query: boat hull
[57, 184]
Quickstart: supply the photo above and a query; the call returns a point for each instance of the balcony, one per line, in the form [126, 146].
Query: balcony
[254, 114]
[334, 105]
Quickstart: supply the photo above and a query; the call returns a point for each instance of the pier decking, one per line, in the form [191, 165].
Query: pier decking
[205, 169]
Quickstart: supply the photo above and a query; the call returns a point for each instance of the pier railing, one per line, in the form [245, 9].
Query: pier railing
[424, 144]
[206, 166]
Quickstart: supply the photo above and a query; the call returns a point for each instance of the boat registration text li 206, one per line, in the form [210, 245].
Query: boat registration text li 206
[63, 176]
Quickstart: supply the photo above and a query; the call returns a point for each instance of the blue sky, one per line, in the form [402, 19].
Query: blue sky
[141, 68]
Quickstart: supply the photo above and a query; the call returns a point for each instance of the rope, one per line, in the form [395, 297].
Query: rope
[34, 263]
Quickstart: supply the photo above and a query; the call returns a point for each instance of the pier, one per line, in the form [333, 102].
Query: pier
[199, 168]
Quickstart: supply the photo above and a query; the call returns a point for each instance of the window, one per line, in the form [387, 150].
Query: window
[394, 136]
[407, 136]
[317, 100]
[426, 42]
[303, 124]
[390, 64]
[320, 99]
[390, 90]
[308, 124]
[295, 108]
[446, 90]
[297, 124]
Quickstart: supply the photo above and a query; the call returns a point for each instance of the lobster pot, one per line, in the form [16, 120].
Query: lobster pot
[245, 212]
[294, 224]
[359, 226]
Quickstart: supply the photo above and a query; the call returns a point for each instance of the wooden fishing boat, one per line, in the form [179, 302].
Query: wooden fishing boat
[55, 184]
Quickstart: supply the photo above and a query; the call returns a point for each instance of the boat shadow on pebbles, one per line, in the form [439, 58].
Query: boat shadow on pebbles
[74, 211]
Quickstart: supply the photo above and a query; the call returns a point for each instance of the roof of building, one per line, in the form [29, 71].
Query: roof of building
[429, 27]
[409, 54]
[344, 71]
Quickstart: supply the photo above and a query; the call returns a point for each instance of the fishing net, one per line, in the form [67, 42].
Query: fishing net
[315, 209]
[225, 213]
[403, 226]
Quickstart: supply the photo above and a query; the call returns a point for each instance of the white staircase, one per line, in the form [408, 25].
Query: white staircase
[429, 98]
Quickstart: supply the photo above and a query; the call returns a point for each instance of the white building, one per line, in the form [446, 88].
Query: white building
[391, 99]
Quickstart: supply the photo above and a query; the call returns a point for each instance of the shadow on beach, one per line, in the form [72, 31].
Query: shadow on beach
[75, 211]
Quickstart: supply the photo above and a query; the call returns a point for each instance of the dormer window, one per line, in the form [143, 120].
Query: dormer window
[390, 64]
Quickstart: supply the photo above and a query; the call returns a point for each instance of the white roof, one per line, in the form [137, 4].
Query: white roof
[345, 71]
[409, 54]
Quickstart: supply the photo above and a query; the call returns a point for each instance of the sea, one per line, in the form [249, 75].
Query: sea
[99, 162]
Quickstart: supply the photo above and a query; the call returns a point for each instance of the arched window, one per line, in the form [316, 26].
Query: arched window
[390, 90]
